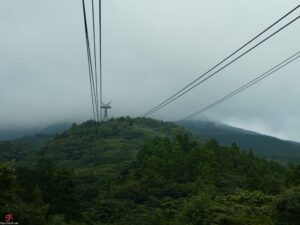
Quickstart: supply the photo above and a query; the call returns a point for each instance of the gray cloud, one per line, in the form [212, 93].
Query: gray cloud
[151, 49]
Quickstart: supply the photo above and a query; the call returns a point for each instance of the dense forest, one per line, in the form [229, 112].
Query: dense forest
[143, 172]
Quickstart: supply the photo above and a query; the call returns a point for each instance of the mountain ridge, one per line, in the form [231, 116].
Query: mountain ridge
[263, 145]
[52, 129]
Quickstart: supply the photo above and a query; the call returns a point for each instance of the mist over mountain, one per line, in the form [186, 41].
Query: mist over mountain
[262, 145]
[10, 134]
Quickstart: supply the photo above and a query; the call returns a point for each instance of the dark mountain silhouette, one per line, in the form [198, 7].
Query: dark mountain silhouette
[263, 145]
[11, 134]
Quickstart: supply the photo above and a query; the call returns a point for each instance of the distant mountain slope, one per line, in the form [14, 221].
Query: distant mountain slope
[55, 128]
[31, 133]
[264, 146]
[10, 134]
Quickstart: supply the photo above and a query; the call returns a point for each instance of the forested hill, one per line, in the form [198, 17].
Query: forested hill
[143, 171]
[121, 140]
[262, 145]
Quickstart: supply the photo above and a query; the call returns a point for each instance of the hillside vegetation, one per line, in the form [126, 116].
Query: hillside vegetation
[143, 172]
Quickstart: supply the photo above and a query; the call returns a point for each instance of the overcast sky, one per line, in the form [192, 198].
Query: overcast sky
[151, 49]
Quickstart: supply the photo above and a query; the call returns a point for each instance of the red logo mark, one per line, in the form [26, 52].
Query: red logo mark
[9, 217]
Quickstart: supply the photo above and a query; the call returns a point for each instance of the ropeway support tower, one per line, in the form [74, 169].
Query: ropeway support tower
[106, 107]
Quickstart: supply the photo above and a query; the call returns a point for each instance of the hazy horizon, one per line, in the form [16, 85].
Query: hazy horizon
[151, 50]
